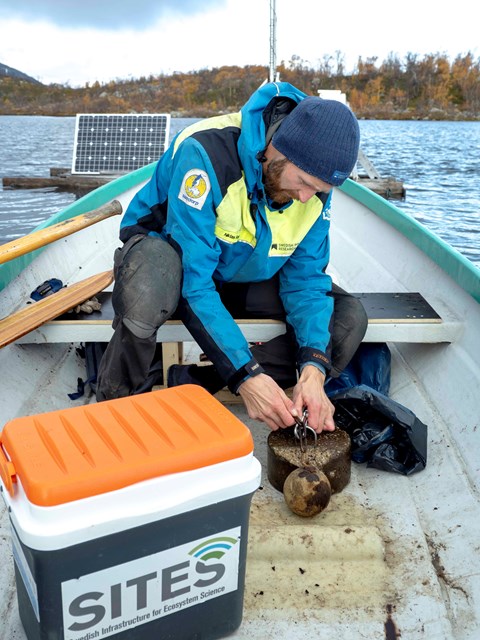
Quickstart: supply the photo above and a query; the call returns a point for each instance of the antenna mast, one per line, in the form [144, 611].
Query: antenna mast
[273, 43]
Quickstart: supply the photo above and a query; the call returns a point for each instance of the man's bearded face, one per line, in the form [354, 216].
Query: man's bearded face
[272, 182]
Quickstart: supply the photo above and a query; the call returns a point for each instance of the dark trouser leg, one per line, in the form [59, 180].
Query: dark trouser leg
[148, 277]
[349, 326]
[278, 356]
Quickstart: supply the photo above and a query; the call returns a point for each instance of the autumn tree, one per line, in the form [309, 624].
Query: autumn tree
[428, 86]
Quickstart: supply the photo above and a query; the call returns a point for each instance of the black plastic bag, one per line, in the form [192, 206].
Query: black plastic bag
[370, 366]
[384, 434]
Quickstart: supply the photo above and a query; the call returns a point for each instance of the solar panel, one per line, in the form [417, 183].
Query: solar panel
[118, 143]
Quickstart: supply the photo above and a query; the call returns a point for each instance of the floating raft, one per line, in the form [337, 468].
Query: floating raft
[59, 179]
[64, 180]
[388, 187]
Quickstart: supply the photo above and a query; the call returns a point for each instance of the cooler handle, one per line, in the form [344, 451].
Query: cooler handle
[7, 471]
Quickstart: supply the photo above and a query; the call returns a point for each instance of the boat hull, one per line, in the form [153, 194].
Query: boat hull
[390, 552]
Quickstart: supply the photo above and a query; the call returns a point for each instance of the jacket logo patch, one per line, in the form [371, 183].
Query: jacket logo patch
[326, 212]
[195, 188]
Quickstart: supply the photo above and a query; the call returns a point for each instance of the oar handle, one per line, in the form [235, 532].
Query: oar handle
[42, 237]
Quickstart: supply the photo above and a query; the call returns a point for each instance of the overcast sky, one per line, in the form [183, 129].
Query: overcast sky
[79, 41]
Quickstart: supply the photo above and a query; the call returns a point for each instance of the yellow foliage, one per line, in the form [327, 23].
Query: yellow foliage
[414, 87]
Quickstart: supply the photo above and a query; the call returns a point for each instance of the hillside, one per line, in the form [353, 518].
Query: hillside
[431, 87]
[10, 72]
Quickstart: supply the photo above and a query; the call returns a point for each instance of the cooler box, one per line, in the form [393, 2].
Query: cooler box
[130, 517]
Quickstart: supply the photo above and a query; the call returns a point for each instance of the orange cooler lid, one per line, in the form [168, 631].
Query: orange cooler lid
[76, 453]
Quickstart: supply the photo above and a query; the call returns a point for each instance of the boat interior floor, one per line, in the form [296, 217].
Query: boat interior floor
[387, 548]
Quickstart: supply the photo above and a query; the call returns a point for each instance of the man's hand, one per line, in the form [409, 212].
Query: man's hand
[309, 393]
[267, 402]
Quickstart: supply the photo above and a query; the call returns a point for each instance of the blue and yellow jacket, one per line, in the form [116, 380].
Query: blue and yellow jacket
[206, 198]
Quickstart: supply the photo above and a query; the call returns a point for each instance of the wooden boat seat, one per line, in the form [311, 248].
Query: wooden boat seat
[392, 317]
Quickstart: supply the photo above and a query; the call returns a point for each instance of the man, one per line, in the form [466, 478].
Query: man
[235, 220]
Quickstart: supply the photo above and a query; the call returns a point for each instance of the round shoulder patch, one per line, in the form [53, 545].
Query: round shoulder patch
[195, 188]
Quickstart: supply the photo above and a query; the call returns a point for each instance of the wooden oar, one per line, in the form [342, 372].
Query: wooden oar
[22, 322]
[42, 237]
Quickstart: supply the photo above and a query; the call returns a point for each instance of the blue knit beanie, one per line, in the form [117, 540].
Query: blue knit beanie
[322, 138]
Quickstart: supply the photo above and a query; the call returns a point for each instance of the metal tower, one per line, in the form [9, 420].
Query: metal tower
[273, 76]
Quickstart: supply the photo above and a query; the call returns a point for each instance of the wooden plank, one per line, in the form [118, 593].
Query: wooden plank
[397, 307]
[388, 188]
[22, 322]
[69, 183]
[42, 237]
[380, 307]
[410, 324]
[175, 331]
[172, 353]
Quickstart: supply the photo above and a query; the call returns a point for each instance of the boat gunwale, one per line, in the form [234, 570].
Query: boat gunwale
[92, 200]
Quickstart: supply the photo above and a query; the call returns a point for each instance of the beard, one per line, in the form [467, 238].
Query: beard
[272, 179]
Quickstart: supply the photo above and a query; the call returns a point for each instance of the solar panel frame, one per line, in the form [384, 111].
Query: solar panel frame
[117, 143]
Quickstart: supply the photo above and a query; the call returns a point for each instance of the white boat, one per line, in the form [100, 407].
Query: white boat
[392, 556]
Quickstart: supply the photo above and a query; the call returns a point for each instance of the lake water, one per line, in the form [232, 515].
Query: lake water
[439, 163]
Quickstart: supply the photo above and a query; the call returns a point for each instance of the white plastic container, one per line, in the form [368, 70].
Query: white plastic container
[130, 517]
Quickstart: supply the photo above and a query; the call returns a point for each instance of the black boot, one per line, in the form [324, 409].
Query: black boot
[205, 376]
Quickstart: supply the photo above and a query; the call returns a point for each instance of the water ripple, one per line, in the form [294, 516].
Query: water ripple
[439, 163]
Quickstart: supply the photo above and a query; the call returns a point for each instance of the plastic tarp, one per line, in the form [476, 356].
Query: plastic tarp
[384, 434]
[369, 366]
